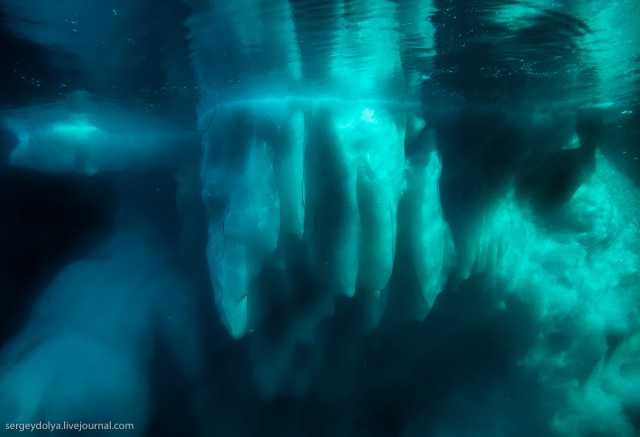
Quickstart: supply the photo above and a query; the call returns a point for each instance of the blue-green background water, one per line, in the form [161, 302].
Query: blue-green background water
[376, 218]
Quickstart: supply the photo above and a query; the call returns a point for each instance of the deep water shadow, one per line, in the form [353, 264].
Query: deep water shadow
[48, 222]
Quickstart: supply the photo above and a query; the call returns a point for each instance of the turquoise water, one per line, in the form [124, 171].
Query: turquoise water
[376, 218]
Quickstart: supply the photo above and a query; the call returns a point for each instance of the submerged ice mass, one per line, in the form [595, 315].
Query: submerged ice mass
[400, 212]
[329, 173]
[310, 153]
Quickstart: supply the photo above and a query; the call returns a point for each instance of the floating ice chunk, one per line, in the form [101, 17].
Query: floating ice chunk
[331, 174]
[87, 135]
[243, 205]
